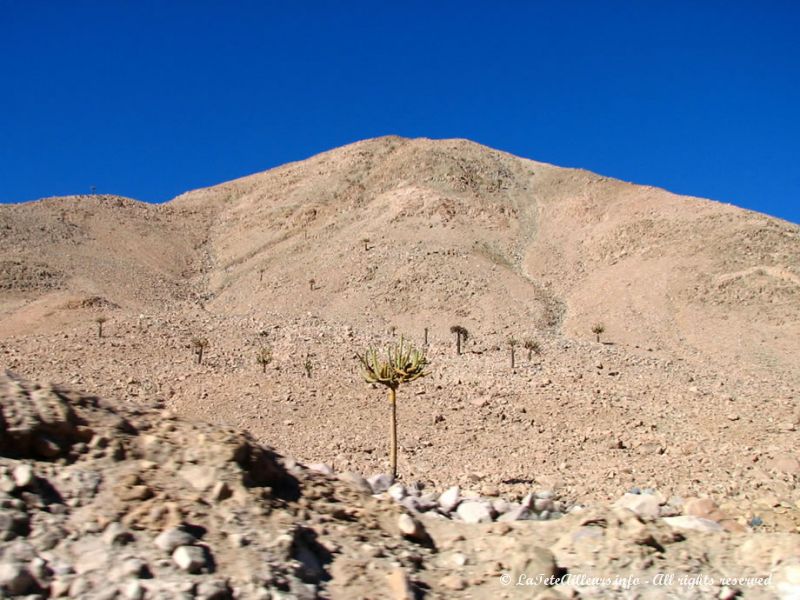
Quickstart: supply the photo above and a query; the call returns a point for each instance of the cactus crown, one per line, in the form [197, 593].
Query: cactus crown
[531, 345]
[458, 329]
[264, 356]
[199, 342]
[403, 363]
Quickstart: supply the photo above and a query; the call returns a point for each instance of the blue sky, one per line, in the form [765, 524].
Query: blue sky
[148, 99]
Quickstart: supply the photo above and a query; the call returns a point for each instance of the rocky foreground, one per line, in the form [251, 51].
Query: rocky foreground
[102, 502]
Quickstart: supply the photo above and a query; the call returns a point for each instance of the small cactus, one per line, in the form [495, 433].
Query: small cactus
[100, 320]
[597, 329]
[532, 346]
[512, 344]
[403, 364]
[311, 283]
[308, 366]
[365, 241]
[199, 344]
[261, 274]
[264, 357]
[461, 334]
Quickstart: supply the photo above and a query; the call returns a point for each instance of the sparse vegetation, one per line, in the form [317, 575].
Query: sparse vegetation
[597, 329]
[532, 346]
[264, 357]
[512, 344]
[461, 335]
[100, 320]
[199, 344]
[403, 364]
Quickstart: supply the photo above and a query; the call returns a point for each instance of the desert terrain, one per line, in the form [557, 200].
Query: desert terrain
[684, 407]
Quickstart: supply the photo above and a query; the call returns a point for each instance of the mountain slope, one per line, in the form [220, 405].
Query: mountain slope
[461, 232]
[692, 389]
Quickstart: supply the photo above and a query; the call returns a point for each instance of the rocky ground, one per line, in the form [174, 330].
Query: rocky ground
[98, 501]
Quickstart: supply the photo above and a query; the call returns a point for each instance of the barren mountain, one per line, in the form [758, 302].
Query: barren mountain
[691, 389]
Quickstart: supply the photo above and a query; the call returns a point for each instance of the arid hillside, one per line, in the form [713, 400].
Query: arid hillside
[691, 389]
[461, 232]
[61, 256]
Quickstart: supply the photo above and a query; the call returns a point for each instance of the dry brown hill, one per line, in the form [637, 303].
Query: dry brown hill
[694, 389]
[461, 232]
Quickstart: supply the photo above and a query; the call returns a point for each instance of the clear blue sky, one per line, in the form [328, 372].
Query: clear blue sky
[148, 99]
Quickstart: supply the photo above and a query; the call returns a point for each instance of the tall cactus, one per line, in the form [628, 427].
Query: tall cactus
[512, 343]
[531, 346]
[403, 364]
[461, 334]
[100, 320]
[264, 357]
[199, 344]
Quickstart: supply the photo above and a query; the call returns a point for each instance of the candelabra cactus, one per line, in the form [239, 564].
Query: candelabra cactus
[199, 344]
[461, 334]
[403, 364]
[100, 320]
[264, 357]
[512, 343]
[531, 346]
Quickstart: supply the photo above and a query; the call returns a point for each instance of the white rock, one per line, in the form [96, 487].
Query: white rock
[474, 512]
[380, 483]
[321, 468]
[23, 475]
[693, 523]
[357, 481]
[397, 491]
[133, 591]
[644, 505]
[191, 559]
[170, 539]
[500, 506]
[517, 513]
[459, 559]
[411, 528]
[210, 590]
[787, 579]
[450, 499]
